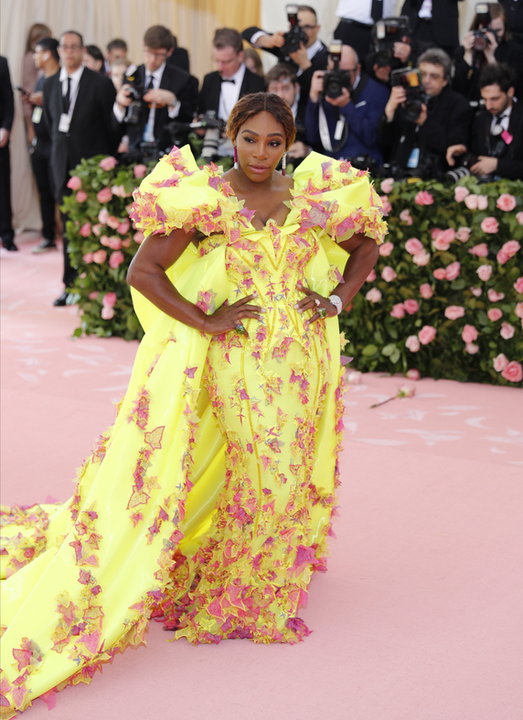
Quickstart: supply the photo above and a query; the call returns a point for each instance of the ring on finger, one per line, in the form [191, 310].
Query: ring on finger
[317, 301]
[321, 312]
[240, 327]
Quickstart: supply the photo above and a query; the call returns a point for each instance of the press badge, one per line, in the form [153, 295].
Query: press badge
[37, 114]
[63, 125]
[413, 160]
[338, 132]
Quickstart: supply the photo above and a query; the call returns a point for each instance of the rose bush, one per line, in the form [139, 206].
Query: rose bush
[445, 299]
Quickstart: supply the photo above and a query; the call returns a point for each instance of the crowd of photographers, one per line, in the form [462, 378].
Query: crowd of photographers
[395, 94]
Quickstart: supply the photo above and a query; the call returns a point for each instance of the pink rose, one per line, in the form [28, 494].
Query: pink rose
[471, 201]
[482, 201]
[398, 311]
[513, 372]
[85, 230]
[507, 251]
[480, 250]
[388, 274]
[444, 238]
[424, 198]
[421, 258]
[109, 299]
[469, 334]
[99, 256]
[453, 312]
[411, 306]
[507, 331]
[88, 258]
[506, 202]
[439, 273]
[103, 216]
[413, 374]
[113, 222]
[463, 234]
[385, 204]
[371, 276]
[116, 259]
[387, 185]
[412, 343]
[406, 217]
[81, 196]
[413, 246]
[427, 334]
[440, 243]
[126, 242]
[138, 237]
[139, 171]
[490, 225]
[494, 296]
[104, 195]
[386, 248]
[74, 183]
[108, 163]
[500, 362]
[518, 285]
[453, 270]
[373, 295]
[426, 291]
[476, 291]
[519, 217]
[114, 242]
[123, 227]
[104, 240]
[97, 229]
[502, 257]
[119, 191]
[93, 295]
[494, 314]
[107, 313]
[460, 193]
[471, 348]
[519, 310]
[484, 272]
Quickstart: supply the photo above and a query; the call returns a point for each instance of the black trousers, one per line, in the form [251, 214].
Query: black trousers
[355, 34]
[41, 164]
[69, 271]
[6, 214]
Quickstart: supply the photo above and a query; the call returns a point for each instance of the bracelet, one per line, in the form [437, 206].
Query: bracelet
[336, 301]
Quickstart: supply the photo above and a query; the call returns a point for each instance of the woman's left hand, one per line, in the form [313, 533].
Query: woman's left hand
[313, 301]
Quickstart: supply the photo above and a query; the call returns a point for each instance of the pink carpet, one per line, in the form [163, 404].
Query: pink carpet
[420, 616]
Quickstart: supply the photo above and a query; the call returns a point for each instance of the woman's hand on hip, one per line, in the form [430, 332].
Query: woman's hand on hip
[321, 306]
[230, 317]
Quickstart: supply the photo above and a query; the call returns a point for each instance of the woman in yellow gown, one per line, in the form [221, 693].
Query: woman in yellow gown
[208, 503]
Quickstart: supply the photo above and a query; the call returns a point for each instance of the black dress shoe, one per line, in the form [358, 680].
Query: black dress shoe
[60, 301]
[9, 245]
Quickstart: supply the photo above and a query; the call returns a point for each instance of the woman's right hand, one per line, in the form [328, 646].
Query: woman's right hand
[230, 317]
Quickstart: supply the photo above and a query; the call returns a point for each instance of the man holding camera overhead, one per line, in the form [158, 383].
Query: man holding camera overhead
[155, 95]
[357, 18]
[344, 109]
[423, 117]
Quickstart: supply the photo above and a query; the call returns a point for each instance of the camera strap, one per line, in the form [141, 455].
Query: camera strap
[340, 132]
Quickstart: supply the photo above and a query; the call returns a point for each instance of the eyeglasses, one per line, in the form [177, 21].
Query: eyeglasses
[308, 28]
[432, 76]
[70, 47]
[156, 53]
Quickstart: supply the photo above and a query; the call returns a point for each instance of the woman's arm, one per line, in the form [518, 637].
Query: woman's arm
[147, 275]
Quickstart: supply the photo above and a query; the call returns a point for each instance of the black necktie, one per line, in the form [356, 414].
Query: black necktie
[150, 85]
[376, 10]
[231, 80]
[67, 97]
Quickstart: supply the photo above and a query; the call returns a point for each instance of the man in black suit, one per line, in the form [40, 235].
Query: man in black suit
[311, 55]
[496, 137]
[282, 81]
[434, 22]
[222, 89]
[155, 99]
[78, 111]
[6, 121]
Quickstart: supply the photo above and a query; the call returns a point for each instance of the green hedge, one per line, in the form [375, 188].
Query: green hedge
[445, 298]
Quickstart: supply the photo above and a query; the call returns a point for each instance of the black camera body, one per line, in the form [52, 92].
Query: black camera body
[335, 80]
[136, 91]
[295, 36]
[388, 31]
[410, 79]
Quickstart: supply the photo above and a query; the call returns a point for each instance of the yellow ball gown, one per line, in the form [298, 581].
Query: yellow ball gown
[208, 503]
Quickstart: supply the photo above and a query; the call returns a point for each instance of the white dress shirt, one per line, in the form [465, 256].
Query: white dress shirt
[359, 10]
[75, 82]
[230, 92]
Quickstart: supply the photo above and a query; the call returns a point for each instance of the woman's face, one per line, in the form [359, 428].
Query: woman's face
[498, 26]
[260, 143]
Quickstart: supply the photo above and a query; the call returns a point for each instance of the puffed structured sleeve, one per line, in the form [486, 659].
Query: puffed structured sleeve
[178, 194]
[335, 197]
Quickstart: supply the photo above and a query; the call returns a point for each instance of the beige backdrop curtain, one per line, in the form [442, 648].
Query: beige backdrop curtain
[192, 21]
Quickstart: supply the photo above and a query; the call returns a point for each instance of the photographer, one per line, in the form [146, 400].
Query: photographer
[423, 117]
[299, 47]
[344, 109]
[487, 42]
[496, 137]
[282, 81]
[152, 97]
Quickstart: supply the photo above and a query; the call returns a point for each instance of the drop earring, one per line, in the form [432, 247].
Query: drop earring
[283, 163]
[235, 156]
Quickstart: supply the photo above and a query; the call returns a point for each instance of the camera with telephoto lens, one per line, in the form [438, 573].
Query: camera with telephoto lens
[388, 31]
[136, 91]
[410, 79]
[335, 80]
[214, 127]
[483, 19]
[295, 36]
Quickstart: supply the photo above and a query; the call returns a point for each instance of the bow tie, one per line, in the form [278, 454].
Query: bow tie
[231, 80]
